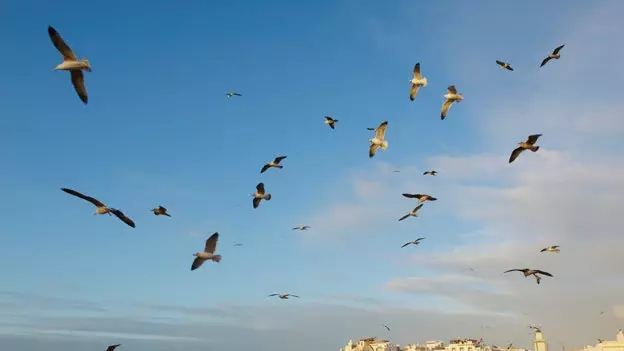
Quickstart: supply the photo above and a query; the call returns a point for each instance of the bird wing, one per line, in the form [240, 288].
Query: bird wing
[237, 94]
[452, 89]
[385, 326]
[413, 92]
[273, 295]
[260, 188]
[211, 243]
[370, 129]
[327, 118]
[445, 108]
[555, 246]
[162, 209]
[372, 150]
[411, 196]
[501, 63]
[197, 262]
[513, 270]
[426, 172]
[112, 347]
[419, 239]
[545, 61]
[84, 197]
[514, 154]
[402, 218]
[542, 272]
[264, 168]
[331, 124]
[279, 159]
[544, 249]
[291, 295]
[256, 202]
[406, 244]
[556, 51]
[77, 78]
[533, 138]
[380, 132]
[509, 67]
[123, 217]
[60, 45]
[417, 74]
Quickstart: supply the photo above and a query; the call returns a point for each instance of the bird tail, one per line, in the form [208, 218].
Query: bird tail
[168, 215]
[534, 148]
[267, 197]
[278, 166]
[88, 64]
[384, 145]
[216, 258]
[425, 82]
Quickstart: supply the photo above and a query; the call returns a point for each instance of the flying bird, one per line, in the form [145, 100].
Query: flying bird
[414, 212]
[554, 248]
[112, 347]
[534, 272]
[260, 195]
[100, 207]
[451, 97]
[504, 65]
[554, 55]
[414, 242]
[468, 269]
[284, 296]
[71, 64]
[302, 227]
[525, 145]
[421, 197]
[208, 253]
[158, 211]
[385, 326]
[396, 171]
[274, 163]
[330, 121]
[237, 244]
[432, 172]
[229, 95]
[378, 140]
[417, 82]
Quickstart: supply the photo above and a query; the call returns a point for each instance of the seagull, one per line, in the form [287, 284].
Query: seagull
[237, 244]
[274, 163]
[160, 211]
[259, 195]
[229, 95]
[451, 97]
[417, 82]
[100, 207]
[302, 227]
[534, 272]
[554, 248]
[385, 326]
[378, 140]
[504, 65]
[71, 64]
[432, 172]
[414, 212]
[415, 242]
[396, 171]
[208, 253]
[555, 55]
[599, 340]
[284, 296]
[112, 347]
[421, 197]
[330, 121]
[525, 145]
[468, 269]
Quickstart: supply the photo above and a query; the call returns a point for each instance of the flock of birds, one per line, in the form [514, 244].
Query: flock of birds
[76, 67]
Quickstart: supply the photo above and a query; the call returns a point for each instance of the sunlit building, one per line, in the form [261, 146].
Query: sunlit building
[608, 345]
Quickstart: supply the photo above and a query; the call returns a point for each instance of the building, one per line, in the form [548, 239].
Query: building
[539, 344]
[367, 344]
[608, 345]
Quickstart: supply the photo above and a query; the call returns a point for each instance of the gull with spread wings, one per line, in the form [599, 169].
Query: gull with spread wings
[330, 122]
[534, 272]
[414, 212]
[529, 144]
[100, 207]
[260, 195]
[379, 139]
[451, 97]
[160, 211]
[554, 248]
[71, 63]
[431, 172]
[554, 55]
[229, 95]
[302, 227]
[112, 347]
[275, 163]
[283, 296]
[414, 242]
[208, 253]
[421, 197]
[504, 65]
[417, 82]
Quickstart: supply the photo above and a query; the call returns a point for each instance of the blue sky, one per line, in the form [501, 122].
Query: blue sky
[158, 130]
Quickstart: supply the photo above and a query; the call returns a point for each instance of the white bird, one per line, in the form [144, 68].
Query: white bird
[330, 121]
[229, 95]
[529, 144]
[421, 197]
[417, 82]
[302, 227]
[260, 195]
[554, 55]
[379, 139]
[534, 272]
[414, 242]
[414, 212]
[451, 97]
[554, 248]
[431, 172]
[100, 207]
[274, 163]
[71, 64]
[208, 253]
[284, 296]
